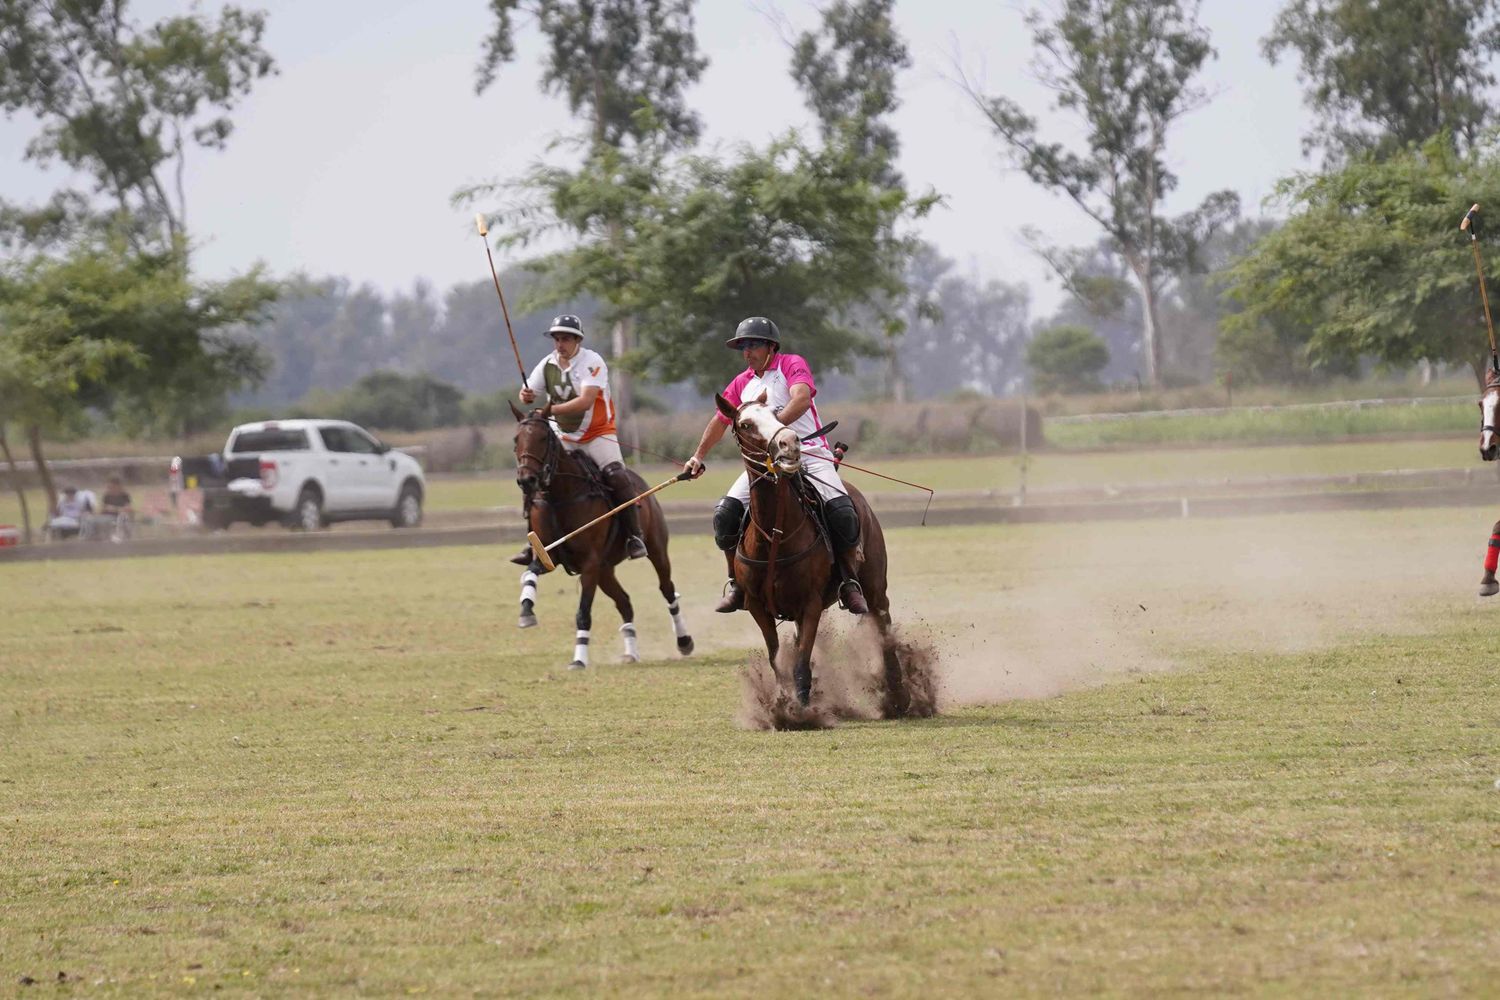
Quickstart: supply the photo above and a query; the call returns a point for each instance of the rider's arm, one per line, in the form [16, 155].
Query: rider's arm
[578, 404]
[711, 436]
[801, 400]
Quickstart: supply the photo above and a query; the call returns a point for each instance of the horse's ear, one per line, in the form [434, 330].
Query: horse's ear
[764, 395]
[725, 407]
[516, 410]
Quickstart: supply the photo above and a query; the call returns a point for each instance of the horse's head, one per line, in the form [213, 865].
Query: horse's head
[1489, 404]
[764, 440]
[536, 448]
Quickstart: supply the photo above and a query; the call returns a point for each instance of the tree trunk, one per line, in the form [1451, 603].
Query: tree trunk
[1150, 325]
[15, 478]
[49, 489]
[622, 338]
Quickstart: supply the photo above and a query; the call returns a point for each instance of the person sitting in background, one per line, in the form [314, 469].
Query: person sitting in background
[116, 506]
[72, 508]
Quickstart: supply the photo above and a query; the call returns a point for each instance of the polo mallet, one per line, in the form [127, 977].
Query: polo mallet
[1470, 225]
[484, 233]
[543, 552]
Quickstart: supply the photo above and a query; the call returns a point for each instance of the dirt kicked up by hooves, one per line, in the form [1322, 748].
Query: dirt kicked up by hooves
[849, 683]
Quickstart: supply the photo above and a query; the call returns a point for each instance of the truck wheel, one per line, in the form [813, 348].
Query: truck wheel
[308, 514]
[408, 510]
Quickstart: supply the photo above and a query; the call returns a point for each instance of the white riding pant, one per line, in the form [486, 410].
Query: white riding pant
[603, 450]
[823, 474]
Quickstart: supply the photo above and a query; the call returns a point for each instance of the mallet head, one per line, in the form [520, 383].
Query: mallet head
[540, 551]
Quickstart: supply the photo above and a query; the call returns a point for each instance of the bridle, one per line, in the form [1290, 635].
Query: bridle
[546, 466]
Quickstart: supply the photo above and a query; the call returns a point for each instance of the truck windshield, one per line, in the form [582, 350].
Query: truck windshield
[277, 440]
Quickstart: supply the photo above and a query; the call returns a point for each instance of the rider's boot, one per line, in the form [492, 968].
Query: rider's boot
[1488, 587]
[843, 529]
[524, 557]
[623, 489]
[728, 516]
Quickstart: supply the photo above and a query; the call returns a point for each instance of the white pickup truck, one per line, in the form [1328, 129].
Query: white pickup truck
[304, 474]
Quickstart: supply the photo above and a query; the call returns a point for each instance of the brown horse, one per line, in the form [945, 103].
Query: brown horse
[784, 561]
[564, 491]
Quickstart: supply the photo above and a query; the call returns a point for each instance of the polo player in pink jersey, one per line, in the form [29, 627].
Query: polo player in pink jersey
[788, 383]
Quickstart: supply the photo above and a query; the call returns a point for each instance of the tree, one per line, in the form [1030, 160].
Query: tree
[1371, 262]
[1124, 68]
[1066, 359]
[123, 105]
[127, 335]
[624, 66]
[392, 401]
[1381, 75]
[798, 234]
[847, 71]
[959, 323]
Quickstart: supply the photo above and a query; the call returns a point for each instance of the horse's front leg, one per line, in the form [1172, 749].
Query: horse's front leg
[769, 634]
[807, 634]
[588, 580]
[528, 597]
[1488, 587]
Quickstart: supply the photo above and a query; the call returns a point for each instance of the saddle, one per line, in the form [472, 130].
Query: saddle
[812, 504]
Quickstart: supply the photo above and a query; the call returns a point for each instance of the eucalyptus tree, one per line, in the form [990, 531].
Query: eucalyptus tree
[1124, 71]
[1381, 75]
[624, 67]
[124, 105]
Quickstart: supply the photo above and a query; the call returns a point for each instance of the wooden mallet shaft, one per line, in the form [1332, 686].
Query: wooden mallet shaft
[1473, 231]
[484, 231]
[543, 552]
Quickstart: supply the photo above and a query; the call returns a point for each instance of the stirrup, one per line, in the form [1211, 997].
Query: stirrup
[635, 547]
[852, 598]
[734, 599]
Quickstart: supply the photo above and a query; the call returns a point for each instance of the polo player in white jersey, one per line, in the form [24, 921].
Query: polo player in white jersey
[788, 383]
[575, 381]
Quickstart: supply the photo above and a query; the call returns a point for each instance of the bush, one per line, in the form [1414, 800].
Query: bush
[1067, 359]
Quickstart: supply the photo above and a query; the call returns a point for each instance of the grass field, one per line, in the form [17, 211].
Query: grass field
[1046, 469]
[1247, 756]
[1248, 426]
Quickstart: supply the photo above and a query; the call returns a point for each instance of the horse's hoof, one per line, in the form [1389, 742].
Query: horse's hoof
[526, 621]
[578, 665]
[1489, 588]
[629, 658]
[685, 645]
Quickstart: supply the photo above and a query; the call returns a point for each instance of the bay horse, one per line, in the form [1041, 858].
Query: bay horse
[1489, 445]
[784, 560]
[564, 491]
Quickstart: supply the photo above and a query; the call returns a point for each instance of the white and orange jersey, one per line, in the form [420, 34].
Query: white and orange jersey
[560, 381]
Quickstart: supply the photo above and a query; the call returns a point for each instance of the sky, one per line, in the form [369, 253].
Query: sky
[346, 161]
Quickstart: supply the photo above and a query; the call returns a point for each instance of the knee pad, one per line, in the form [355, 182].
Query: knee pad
[843, 522]
[729, 514]
[612, 468]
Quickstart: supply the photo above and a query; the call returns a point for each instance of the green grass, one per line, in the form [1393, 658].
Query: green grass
[1262, 427]
[1046, 469]
[346, 772]
[1051, 468]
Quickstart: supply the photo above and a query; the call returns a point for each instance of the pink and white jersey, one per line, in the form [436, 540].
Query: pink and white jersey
[785, 371]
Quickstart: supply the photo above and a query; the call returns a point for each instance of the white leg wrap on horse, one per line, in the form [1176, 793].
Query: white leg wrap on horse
[581, 647]
[628, 632]
[528, 586]
[679, 627]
